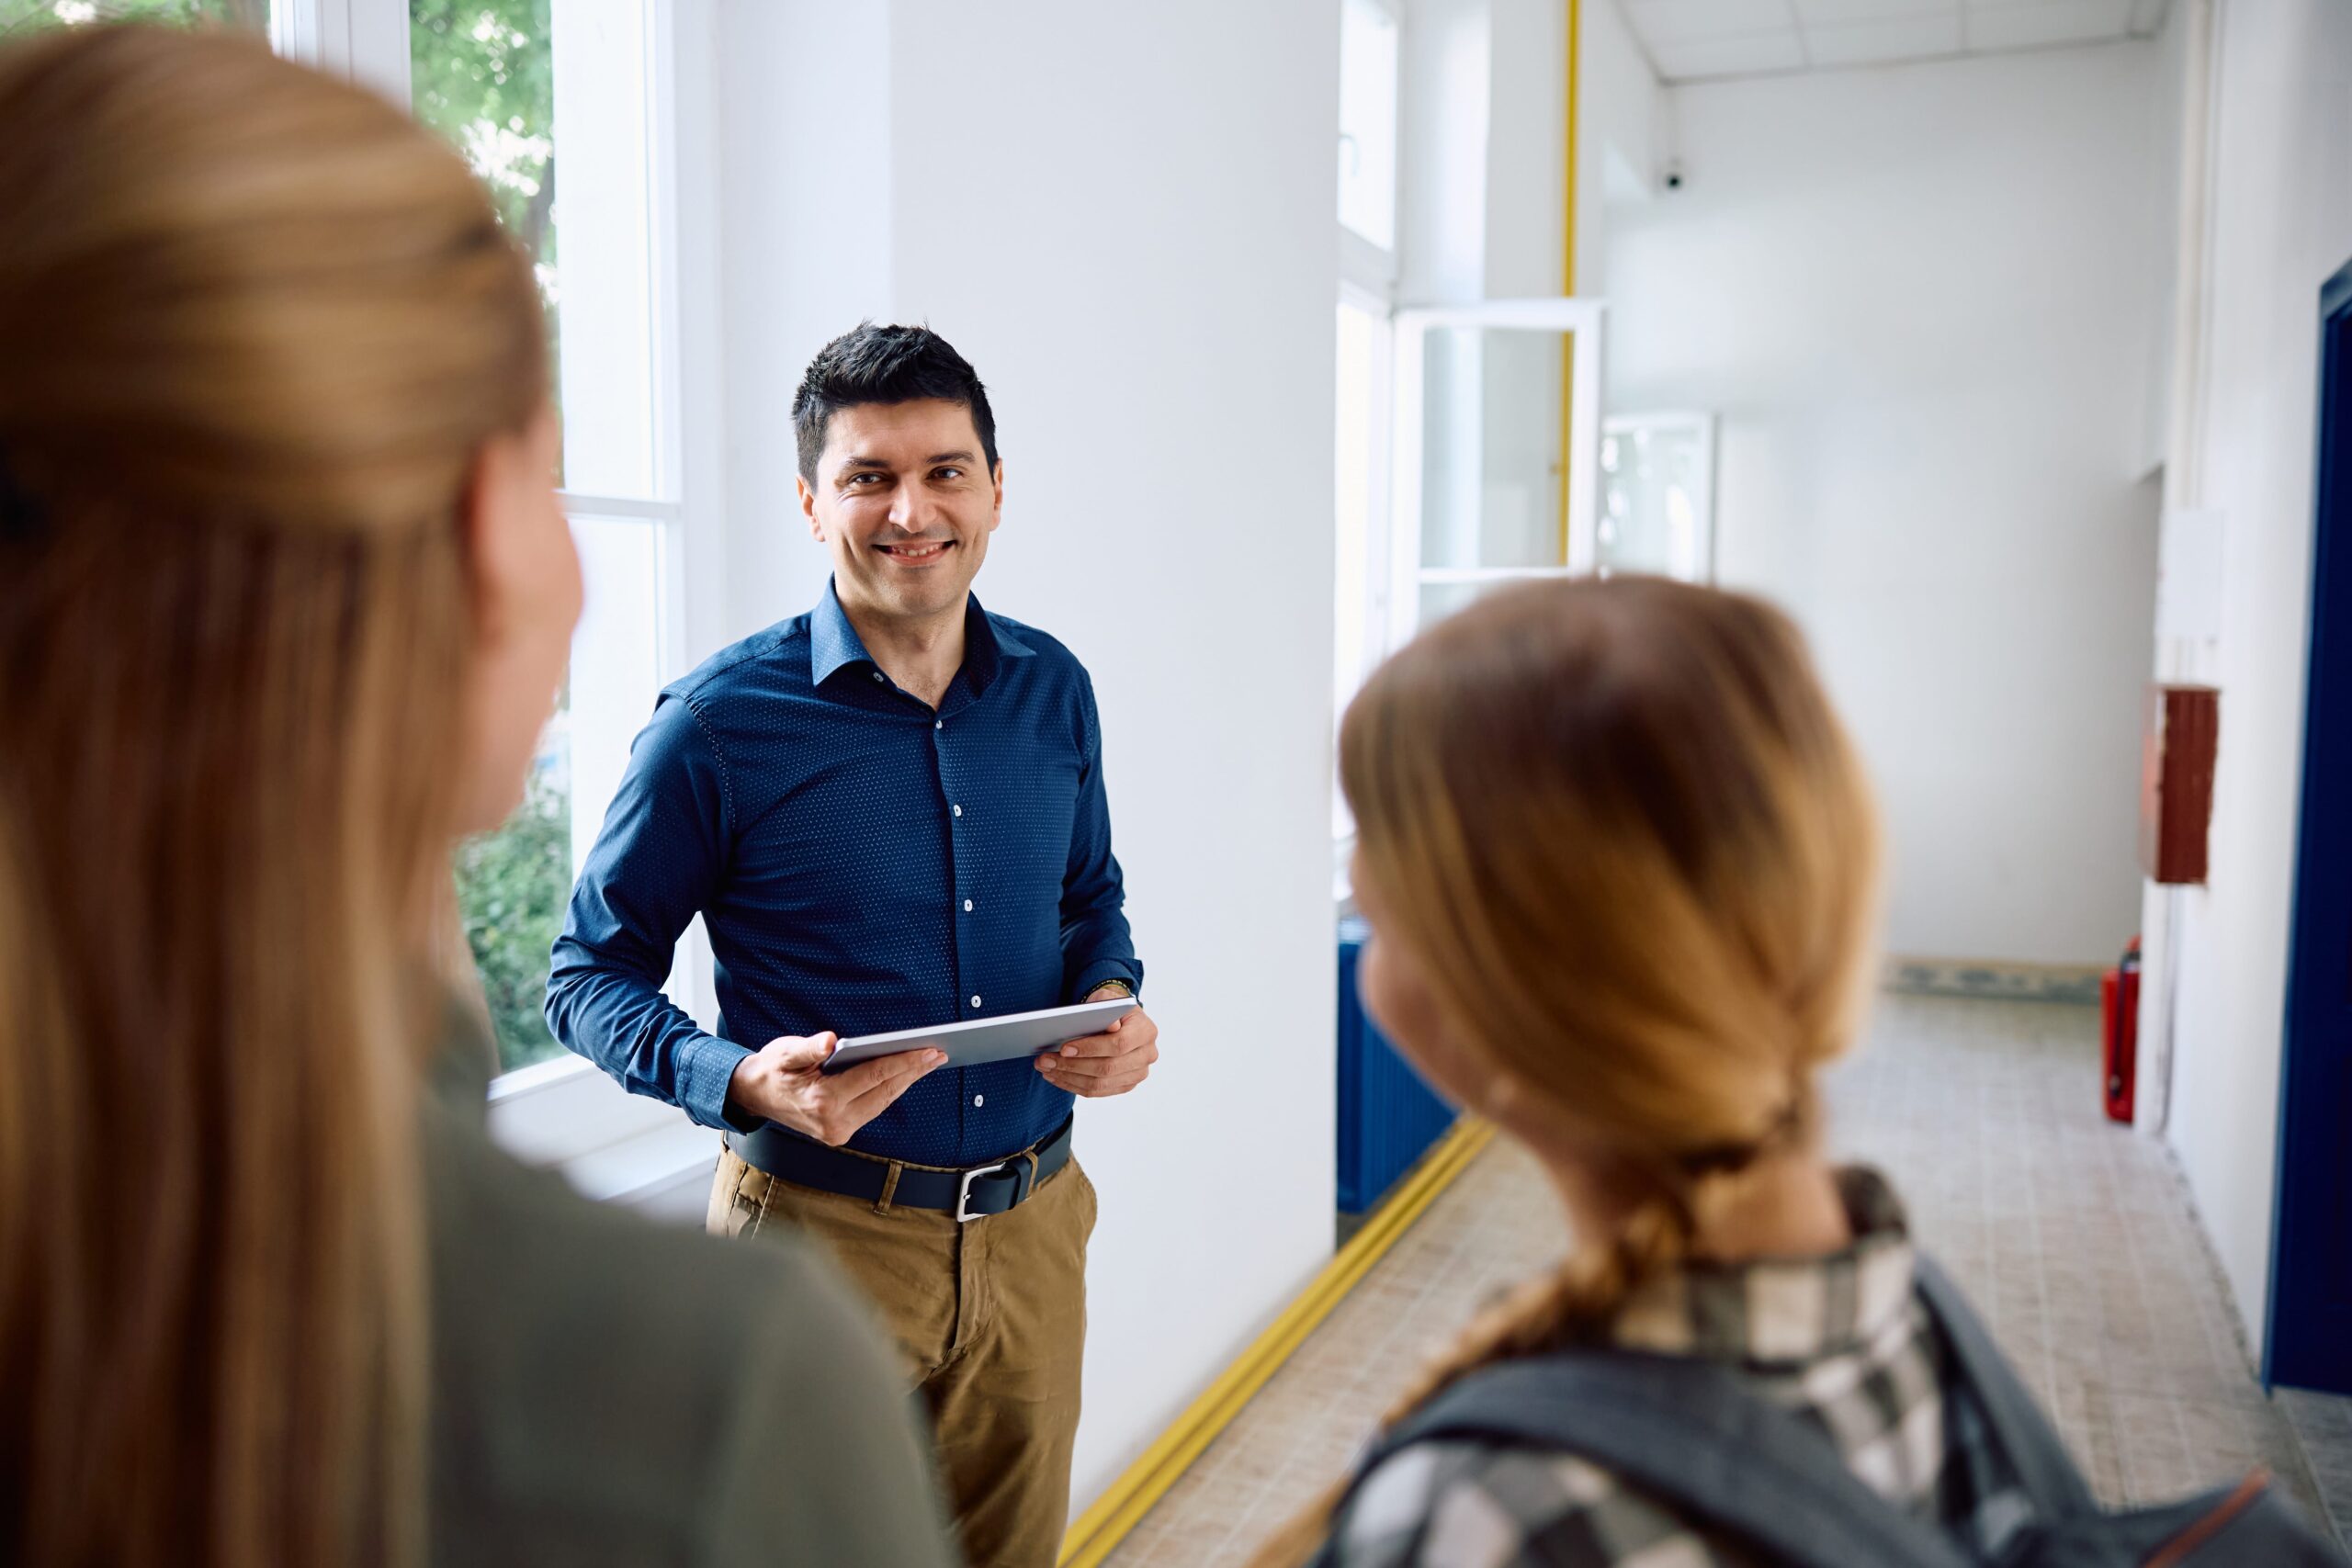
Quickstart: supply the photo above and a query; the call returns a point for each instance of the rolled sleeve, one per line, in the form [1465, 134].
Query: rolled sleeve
[705, 1066]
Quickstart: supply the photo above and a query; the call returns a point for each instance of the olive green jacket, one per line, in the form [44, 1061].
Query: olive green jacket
[608, 1390]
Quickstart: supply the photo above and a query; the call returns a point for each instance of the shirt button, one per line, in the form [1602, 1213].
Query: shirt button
[957, 809]
[975, 1001]
[967, 906]
[978, 1101]
[939, 724]
[879, 677]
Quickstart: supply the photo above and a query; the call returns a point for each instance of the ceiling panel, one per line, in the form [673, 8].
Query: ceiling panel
[1700, 58]
[1815, 13]
[2043, 22]
[1700, 39]
[1887, 39]
[1680, 21]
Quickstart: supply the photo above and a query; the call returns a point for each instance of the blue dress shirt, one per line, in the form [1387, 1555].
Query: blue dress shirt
[863, 862]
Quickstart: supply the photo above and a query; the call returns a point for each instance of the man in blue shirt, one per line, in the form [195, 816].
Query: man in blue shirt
[889, 812]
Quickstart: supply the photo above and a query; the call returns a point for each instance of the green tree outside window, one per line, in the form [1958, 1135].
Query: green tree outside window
[482, 74]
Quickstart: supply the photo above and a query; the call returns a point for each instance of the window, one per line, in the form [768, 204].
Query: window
[533, 93]
[1368, 121]
[520, 87]
[1367, 298]
[18, 15]
[1360, 488]
[1477, 496]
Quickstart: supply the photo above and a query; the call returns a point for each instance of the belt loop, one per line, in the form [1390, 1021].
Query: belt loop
[1031, 1156]
[889, 1187]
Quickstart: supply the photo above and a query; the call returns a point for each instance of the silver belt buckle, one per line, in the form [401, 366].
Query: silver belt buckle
[964, 1193]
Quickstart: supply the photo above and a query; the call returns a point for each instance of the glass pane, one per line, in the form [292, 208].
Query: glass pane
[512, 884]
[1359, 336]
[1440, 600]
[18, 15]
[512, 887]
[1657, 502]
[1491, 445]
[616, 661]
[521, 86]
[1368, 121]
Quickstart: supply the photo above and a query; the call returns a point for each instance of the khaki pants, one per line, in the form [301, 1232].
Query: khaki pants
[990, 1317]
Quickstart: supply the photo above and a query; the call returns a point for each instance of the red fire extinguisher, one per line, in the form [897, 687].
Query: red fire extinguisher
[2120, 1014]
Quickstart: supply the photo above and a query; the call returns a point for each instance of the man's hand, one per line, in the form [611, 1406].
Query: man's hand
[1110, 1062]
[783, 1081]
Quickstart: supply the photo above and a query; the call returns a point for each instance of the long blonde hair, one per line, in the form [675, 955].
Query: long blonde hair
[254, 325]
[1629, 844]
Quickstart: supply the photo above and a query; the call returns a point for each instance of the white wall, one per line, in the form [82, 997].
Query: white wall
[1124, 217]
[1620, 105]
[1922, 300]
[2281, 223]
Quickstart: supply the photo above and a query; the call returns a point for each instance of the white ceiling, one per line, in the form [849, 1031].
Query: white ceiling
[1690, 41]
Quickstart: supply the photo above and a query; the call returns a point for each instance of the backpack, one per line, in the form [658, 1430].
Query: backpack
[1687, 1434]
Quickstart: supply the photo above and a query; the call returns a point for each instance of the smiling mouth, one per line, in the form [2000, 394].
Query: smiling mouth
[920, 552]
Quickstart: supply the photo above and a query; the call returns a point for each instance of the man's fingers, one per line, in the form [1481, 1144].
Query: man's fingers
[1106, 1086]
[1092, 1045]
[801, 1054]
[1092, 1070]
[902, 1067]
[894, 1075]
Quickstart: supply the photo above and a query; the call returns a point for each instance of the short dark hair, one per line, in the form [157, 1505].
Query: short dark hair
[884, 365]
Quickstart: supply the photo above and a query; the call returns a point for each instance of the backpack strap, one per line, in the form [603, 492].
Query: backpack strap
[2023, 1434]
[1687, 1433]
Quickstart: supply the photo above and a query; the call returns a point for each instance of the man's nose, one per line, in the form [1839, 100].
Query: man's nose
[910, 509]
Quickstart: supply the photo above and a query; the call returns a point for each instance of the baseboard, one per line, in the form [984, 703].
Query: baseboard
[1992, 980]
[1124, 1504]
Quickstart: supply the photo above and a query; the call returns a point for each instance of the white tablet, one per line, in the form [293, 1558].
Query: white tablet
[987, 1039]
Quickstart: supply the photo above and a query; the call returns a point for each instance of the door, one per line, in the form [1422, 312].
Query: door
[2310, 1343]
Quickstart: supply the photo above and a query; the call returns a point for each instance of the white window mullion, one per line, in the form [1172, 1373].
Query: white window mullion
[360, 40]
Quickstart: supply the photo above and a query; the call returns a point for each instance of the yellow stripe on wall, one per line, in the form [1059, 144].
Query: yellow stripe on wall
[1123, 1506]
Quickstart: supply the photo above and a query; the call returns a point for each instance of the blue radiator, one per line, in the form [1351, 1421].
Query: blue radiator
[1388, 1117]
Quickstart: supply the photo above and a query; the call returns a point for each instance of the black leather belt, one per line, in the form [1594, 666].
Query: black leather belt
[971, 1194]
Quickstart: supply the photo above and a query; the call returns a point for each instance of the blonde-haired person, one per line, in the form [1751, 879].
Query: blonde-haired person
[284, 598]
[1621, 864]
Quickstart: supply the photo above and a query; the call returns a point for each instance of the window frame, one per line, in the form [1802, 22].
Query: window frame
[1371, 254]
[1368, 279]
[1584, 318]
[566, 1111]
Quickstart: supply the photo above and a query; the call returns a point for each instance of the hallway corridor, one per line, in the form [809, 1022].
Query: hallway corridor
[2074, 1237]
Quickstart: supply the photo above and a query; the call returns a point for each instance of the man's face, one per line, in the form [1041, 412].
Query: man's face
[905, 502]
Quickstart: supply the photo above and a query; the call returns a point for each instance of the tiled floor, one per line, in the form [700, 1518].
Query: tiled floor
[2074, 1237]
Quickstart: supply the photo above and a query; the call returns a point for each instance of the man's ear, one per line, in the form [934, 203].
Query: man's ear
[808, 506]
[996, 516]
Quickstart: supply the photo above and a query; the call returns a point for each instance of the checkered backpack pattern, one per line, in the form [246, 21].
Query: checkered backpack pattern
[1683, 1431]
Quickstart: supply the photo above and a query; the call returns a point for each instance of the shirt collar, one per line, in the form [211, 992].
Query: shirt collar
[834, 643]
[1783, 1311]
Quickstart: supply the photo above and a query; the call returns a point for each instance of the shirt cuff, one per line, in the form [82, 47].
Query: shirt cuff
[1104, 969]
[706, 1065]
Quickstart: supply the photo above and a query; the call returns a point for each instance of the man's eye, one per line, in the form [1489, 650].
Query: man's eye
[948, 474]
[861, 478]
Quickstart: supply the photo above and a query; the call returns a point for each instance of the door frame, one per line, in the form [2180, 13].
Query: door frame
[2310, 1340]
